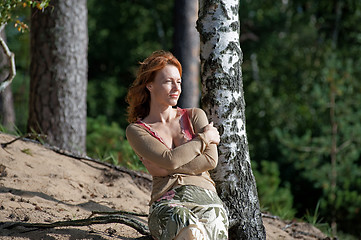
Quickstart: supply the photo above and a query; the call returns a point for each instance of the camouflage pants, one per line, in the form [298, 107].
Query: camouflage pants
[188, 207]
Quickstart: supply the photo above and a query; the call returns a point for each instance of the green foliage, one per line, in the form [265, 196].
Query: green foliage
[311, 151]
[121, 34]
[27, 151]
[345, 236]
[315, 219]
[107, 142]
[6, 7]
[2, 128]
[273, 197]
[296, 54]
[18, 42]
[9, 8]
[309, 55]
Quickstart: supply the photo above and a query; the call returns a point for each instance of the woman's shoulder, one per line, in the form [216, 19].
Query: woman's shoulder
[132, 125]
[133, 128]
[197, 117]
[195, 112]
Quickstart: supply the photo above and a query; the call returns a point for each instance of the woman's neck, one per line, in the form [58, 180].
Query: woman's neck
[159, 114]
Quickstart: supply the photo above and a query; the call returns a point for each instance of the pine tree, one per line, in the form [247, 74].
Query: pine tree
[58, 74]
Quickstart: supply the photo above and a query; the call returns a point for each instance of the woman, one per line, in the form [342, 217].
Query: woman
[178, 147]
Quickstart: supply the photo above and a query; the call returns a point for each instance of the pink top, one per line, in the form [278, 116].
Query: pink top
[185, 125]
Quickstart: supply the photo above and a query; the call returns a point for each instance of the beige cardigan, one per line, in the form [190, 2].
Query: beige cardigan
[189, 163]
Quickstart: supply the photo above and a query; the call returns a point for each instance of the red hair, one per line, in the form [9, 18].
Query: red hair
[138, 96]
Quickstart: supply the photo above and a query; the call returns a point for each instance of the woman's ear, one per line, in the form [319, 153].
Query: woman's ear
[149, 86]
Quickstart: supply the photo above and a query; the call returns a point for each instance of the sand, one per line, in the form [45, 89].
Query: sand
[38, 185]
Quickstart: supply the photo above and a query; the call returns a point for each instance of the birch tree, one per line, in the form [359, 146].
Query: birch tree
[223, 101]
[58, 74]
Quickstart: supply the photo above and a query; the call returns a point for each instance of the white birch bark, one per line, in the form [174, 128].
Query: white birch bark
[223, 101]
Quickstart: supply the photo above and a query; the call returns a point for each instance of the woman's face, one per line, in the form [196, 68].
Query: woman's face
[166, 86]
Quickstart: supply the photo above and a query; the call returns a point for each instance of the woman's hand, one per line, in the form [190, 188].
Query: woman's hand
[154, 170]
[212, 134]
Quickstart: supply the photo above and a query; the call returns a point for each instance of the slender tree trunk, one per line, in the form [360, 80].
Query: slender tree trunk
[7, 113]
[186, 49]
[58, 74]
[223, 100]
[333, 122]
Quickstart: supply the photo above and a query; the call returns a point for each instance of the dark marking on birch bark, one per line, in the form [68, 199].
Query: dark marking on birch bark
[235, 9]
[234, 26]
[236, 185]
[224, 10]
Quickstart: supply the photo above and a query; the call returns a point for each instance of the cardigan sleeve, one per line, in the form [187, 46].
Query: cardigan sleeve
[209, 159]
[148, 147]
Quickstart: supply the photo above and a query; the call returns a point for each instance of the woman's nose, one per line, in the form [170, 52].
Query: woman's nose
[176, 86]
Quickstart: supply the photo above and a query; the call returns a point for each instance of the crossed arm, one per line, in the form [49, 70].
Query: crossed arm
[194, 157]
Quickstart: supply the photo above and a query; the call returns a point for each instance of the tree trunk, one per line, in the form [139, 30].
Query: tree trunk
[58, 74]
[223, 100]
[7, 113]
[186, 49]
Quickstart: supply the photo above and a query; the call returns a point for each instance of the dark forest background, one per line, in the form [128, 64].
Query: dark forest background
[301, 72]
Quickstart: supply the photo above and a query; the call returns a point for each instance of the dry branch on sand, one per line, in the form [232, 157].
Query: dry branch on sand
[137, 225]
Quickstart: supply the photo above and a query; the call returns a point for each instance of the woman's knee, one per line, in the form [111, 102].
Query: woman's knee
[192, 232]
